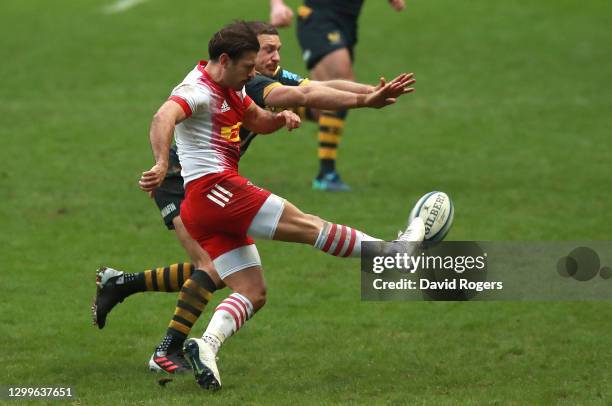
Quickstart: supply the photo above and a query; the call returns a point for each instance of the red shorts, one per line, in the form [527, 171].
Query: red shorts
[218, 210]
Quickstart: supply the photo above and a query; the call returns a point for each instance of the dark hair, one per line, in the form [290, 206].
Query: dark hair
[261, 27]
[234, 39]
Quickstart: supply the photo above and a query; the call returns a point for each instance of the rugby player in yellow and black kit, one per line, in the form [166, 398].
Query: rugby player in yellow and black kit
[327, 33]
[272, 88]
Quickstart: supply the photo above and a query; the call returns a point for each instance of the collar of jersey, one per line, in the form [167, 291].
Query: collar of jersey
[201, 65]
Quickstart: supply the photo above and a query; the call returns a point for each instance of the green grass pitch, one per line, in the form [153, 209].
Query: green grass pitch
[511, 117]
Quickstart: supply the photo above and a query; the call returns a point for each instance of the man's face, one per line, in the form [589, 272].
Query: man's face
[240, 71]
[268, 56]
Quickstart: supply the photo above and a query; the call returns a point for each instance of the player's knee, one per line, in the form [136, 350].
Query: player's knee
[203, 262]
[313, 223]
[214, 276]
[310, 226]
[257, 296]
[259, 302]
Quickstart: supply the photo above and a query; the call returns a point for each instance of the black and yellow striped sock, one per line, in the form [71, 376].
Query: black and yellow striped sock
[166, 279]
[331, 125]
[195, 294]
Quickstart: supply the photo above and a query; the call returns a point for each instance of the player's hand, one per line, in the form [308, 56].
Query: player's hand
[292, 120]
[403, 83]
[154, 177]
[373, 89]
[380, 85]
[387, 93]
[281, 15]
[398, 5]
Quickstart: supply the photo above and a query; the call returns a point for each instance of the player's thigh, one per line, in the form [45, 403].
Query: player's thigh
[323, 32]
[335, 65]
[168, 197]
[199, 257]
[278, 219]
[297, 226]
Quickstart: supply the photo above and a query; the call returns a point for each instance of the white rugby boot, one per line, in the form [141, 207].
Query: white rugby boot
[204, 363]
[414, 233]
[409, 240]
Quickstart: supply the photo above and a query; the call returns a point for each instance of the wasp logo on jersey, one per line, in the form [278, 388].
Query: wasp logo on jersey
[232, 134]
[334, 37]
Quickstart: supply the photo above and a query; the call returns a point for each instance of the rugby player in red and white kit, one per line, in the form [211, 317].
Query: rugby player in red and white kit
[222, 210]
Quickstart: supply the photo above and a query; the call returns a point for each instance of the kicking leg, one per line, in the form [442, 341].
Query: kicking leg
[280, 220]
[334, 239]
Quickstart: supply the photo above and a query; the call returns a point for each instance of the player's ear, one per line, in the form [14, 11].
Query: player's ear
[224, 59]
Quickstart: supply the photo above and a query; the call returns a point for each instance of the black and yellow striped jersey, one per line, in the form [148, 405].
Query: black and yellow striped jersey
[259, 87]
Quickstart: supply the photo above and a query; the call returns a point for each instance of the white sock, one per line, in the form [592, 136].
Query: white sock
[229, 316]
[341, 241]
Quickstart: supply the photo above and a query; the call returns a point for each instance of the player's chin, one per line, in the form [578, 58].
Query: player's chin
[270, 69]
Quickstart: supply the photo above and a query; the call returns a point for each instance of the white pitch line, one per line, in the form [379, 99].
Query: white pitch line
[122, 5]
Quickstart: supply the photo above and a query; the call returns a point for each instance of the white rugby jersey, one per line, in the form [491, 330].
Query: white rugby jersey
[208, 140]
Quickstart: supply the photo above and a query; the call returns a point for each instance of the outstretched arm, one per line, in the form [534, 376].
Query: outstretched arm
[318, 97]
[327, 98]
[262, 121]
[345, 85]
[160, 135]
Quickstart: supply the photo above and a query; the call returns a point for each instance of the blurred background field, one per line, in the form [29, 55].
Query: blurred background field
[510, 117]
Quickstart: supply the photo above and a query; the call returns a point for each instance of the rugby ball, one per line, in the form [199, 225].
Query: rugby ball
[437, 211]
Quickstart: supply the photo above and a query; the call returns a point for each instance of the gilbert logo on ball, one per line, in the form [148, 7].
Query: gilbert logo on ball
[437, 211]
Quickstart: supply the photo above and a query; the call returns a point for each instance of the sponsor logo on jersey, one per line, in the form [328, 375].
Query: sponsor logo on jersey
[291, 76]
[168, 209]
[232, 134]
